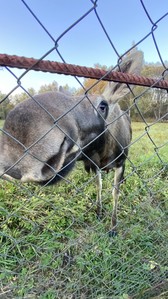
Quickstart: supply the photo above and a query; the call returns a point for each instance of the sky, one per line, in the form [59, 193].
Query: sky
[85, 43]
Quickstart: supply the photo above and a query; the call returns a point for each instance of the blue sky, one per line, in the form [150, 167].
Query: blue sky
[86, 43]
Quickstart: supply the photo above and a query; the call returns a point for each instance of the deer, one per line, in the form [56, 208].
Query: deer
[44, 136]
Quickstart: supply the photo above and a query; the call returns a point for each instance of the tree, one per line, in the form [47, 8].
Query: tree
[5, 106]
[94, 86]
[20, 97]
[48, 87]
[153, 103]
[159, 103]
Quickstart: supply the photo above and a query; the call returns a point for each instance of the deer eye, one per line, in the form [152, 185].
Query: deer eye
[103, 105]
[103, 108]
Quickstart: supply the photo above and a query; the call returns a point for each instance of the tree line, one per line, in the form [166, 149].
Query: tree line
[152, 104]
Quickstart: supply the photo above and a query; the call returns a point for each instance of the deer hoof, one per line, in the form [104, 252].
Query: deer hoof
[112, 233]
[99, 217]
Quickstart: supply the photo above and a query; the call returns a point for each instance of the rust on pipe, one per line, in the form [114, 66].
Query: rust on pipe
[79, 71]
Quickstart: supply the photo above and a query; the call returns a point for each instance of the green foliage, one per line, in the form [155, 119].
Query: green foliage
[5, 106]
[53, 246]
[20, 97]
[48, 87]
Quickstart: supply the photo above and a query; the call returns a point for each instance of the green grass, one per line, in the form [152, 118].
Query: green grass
[1, 123]
[53, 246]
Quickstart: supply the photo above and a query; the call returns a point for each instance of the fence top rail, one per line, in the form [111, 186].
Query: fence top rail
[15, 61]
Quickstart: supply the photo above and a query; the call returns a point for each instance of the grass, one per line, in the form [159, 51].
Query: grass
[1, 123]
[53, 246]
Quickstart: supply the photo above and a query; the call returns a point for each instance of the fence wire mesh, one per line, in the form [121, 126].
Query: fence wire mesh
[53, 245]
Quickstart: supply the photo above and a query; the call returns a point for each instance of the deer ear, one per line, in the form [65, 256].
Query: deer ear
[114, 91]
[132, 63]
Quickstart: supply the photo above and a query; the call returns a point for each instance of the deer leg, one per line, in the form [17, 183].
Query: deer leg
[99, 192]
[118, 177]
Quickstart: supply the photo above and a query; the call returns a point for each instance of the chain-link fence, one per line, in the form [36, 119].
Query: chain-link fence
[54, 244]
